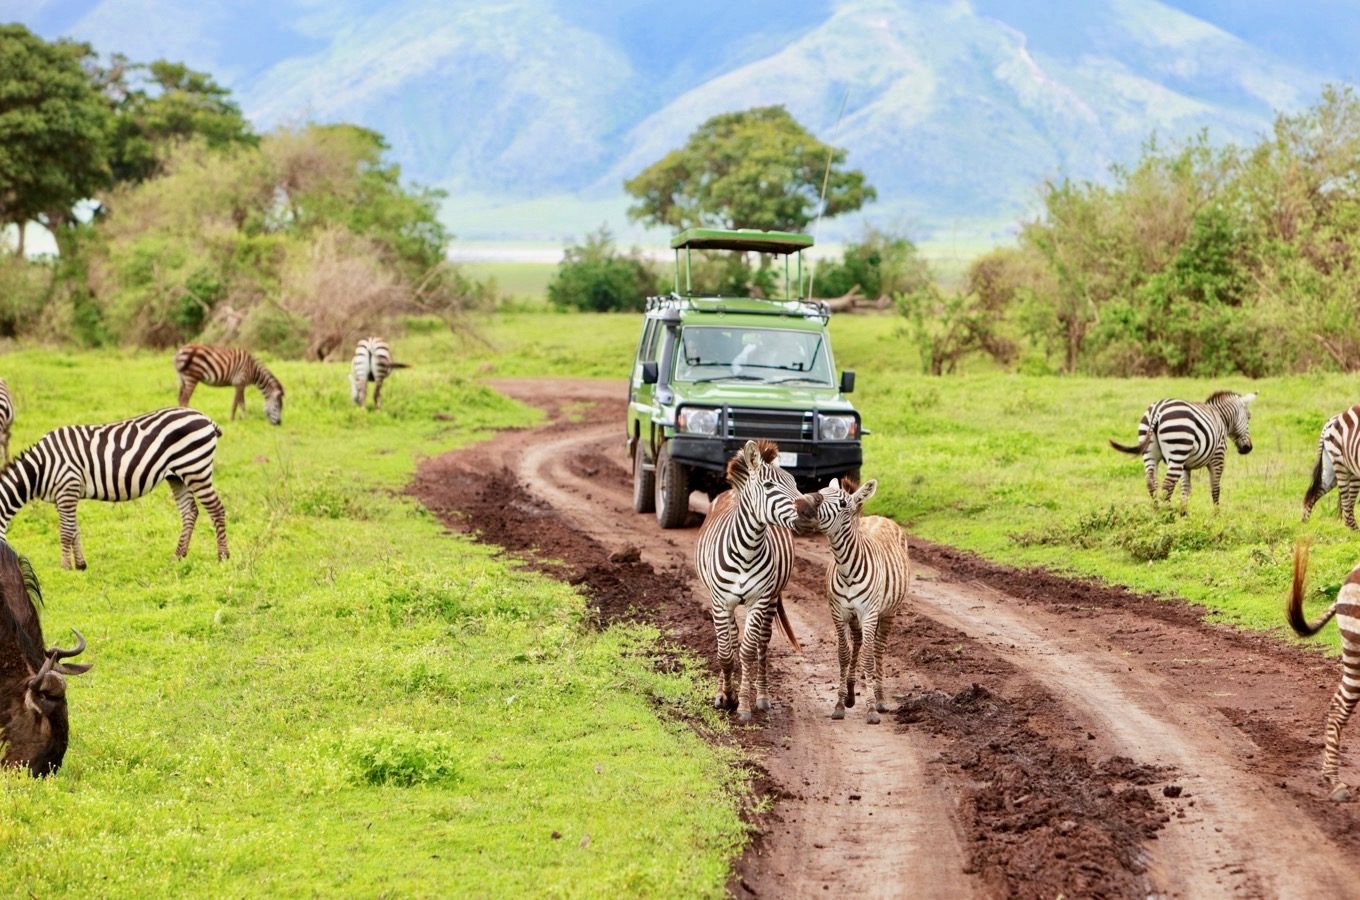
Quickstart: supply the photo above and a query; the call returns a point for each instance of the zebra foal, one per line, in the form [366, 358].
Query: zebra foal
[1346, 610]
[1191, 436]
[119, 461]
[223, 366]
[867, 582]
[1338, 464]
[744, 555]
[372, 362]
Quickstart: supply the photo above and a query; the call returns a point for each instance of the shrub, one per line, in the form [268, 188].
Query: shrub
[880, 265]
[595, 277]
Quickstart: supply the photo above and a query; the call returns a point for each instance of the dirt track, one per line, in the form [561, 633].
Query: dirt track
[1053, 737]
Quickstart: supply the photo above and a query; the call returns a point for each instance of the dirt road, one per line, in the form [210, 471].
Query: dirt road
[1053, 737]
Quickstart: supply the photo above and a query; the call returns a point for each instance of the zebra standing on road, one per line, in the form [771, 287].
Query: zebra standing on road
[372, 362]
[745, 556]
[1338, 463]
[1191, 436]
[6, 421]
[223, 366]
[119, 461]
[1346, 609]
[867, 581]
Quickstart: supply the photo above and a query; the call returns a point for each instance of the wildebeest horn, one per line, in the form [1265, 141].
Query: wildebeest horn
[58, 653]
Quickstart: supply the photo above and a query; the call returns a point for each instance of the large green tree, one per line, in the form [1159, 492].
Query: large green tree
[753, 169]
[160, 103]
[54, 127]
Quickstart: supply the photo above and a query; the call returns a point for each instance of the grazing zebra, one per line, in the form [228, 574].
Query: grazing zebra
[119, 461]
[1191, 436]
[1338, 463]
[1346, 609]
[867, 582]
[372, 362]
[222, 366]
[745, 555]
[6, 421]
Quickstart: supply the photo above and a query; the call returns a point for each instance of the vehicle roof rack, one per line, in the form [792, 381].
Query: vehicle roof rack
[743, 306]
[741, 239]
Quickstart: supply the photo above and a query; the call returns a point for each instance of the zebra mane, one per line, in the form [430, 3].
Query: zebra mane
[737, 472]
[1222, 395]
[849, 485]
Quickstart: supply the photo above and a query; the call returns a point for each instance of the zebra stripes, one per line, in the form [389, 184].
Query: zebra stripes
[867, 582]
[223, 366]
[1338, 463]
[119, 461]
[1191, 436]
[1346, 610]
[372, 362]
[6, 421]
[744, 555]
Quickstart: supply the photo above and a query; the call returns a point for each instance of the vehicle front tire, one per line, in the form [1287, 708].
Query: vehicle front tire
[644, 483]
[672, 490]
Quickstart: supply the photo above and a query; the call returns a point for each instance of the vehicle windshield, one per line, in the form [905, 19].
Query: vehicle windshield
[766, 355]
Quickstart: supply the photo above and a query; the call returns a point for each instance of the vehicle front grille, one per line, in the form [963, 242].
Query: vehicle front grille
[774, 425]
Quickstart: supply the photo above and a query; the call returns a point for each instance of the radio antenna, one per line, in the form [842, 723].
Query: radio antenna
[821, 201]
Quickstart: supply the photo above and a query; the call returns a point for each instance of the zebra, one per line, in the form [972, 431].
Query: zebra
[1346, 609]
[1338, 463]
[222, 366]
[119, 461]
[1191, 436]
[6, 421]
[744, 555]
[866, 582]
[372, 362]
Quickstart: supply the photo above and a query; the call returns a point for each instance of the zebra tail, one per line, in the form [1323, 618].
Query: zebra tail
[784, 625]
[397, 365]
[1294, 610]
[1136, 449]
[1316, 489]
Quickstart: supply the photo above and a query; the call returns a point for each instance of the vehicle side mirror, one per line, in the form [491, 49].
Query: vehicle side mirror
[847, 381]
[649, 373]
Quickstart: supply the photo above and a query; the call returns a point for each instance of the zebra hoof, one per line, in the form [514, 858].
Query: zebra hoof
[873, 717]
[720, 702]
[1340, 794]
[762, 705]
[81, 565]
[850, 698]
[881, 707]
[744, 715]
[838, 712]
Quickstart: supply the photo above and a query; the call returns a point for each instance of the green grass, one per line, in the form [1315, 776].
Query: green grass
[524, 283]
[1017, 468]
[357, 703]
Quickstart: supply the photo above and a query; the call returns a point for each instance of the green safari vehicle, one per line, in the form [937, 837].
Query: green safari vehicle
[712, 372]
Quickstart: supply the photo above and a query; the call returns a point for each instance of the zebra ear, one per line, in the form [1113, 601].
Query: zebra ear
[865, 492]
[835, 484]
[1248, 398]
[751, 454]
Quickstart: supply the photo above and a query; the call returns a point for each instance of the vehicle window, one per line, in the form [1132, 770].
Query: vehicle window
[768, 355]
[647, 349]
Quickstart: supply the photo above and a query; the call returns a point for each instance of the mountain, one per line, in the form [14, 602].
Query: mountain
[530, 113]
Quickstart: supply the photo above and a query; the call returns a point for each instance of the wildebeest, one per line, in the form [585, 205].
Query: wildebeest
[33, 720]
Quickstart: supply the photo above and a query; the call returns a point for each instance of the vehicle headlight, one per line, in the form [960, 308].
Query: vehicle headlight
[698, 421]
[837, 428]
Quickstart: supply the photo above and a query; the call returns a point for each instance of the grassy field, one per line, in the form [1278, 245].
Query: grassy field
[356, 704]
[1017, 467]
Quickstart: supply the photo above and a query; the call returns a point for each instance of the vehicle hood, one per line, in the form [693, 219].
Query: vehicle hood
[775, 396]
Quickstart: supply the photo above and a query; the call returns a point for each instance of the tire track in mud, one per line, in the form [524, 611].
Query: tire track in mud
[1040, 718]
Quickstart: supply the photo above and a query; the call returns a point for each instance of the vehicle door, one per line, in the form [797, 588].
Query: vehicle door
[642, 397]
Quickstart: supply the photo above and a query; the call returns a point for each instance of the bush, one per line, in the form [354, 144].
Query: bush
[594, 277]
[880, 265]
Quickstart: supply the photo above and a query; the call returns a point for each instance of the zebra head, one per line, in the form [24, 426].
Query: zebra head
[1235, 411]
[833, 509]
[765, 491]
[273, 406]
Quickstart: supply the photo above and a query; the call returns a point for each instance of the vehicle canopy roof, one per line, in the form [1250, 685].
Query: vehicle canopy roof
[738, 312]
[741, 239]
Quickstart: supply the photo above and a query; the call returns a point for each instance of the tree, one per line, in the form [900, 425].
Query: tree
[160, 103]
[53, 128]
[879, 265]
[753, 169]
